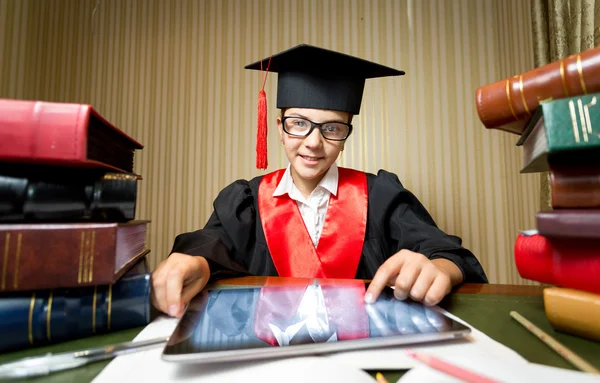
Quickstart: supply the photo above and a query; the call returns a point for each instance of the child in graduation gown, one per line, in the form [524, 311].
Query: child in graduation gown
[313, 218]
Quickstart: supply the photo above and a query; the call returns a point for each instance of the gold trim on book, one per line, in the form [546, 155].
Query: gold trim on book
[82, 242]
[588, 120]
[562, 77]
[119, 177]
[109, 305]
[580, 71]
[523, 95]
[509, 101]
[94, 309]
[17, 260]
[30, 322]
[48, 315]
[574, 121]
[86, 258]
[5, 264]
[91, 278]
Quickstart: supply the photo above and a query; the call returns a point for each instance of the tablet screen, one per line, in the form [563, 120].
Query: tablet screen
[249, 321]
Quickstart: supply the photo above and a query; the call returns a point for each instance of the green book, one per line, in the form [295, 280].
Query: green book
[567, 128]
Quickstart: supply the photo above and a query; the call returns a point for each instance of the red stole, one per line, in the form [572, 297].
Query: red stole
[340, 245]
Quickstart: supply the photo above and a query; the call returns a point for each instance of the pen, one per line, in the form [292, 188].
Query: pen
[563, 351]
[450, 369]
[49, 363]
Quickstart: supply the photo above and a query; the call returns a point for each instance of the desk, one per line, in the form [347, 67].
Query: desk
[485, 307]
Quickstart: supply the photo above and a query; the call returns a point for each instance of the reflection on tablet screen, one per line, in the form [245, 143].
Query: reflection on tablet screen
[282, 316]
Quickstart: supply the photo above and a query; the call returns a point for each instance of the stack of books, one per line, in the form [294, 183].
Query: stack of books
[555, 109]
[72, 256]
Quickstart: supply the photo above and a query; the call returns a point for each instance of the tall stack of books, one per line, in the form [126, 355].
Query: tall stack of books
[556, 111]
[72, 256]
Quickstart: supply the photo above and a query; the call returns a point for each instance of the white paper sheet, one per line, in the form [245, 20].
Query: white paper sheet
[147, 366]
[502, 371]
[347, 366]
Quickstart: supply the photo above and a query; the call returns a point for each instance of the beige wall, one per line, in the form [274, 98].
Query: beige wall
[170, 73]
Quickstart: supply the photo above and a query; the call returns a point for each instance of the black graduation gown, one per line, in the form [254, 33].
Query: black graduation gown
[234, 244]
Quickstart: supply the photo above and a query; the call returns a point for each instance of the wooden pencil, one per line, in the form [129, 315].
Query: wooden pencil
[563, 351]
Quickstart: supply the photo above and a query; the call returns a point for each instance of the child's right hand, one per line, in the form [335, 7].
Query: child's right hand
[177, 280]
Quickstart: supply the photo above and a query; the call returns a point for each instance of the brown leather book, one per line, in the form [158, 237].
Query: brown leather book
[574, 223]
[50, 256]
[508, 104]
[573, 311]
[575, 185]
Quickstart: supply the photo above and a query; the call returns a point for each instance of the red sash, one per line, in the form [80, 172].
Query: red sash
[340, 245]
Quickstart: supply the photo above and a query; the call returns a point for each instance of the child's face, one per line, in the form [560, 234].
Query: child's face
[310, 157]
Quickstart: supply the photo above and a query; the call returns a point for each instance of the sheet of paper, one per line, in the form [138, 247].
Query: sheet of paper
[147, 366]
[477, 344]
[502, 371]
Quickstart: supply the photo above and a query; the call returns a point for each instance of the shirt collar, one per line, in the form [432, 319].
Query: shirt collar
[329, 182]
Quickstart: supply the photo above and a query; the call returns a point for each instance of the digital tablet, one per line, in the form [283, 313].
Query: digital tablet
[316, 317]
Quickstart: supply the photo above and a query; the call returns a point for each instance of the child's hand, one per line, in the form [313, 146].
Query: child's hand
[177, 280]
[415, 276]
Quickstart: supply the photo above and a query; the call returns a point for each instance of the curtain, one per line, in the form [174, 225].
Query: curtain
[562, 28]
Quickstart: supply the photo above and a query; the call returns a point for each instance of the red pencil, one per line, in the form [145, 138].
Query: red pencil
[450, 369]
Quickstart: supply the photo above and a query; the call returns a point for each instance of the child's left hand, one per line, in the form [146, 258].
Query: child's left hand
[415, 276]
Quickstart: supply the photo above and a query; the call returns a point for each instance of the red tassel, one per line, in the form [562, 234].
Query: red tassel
[261, 134]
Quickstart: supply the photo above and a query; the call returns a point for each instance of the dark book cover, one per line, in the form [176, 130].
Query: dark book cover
[50, 316]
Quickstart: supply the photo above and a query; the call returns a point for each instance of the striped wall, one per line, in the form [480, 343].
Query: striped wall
[170, 73]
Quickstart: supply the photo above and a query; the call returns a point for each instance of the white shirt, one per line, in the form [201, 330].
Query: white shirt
[312, 210]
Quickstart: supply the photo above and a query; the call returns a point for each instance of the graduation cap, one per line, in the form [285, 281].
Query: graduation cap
[316, 78]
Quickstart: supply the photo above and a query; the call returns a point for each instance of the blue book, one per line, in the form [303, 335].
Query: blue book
[42, 317]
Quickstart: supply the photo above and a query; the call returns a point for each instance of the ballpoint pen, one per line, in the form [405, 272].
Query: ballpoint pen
[49, 363]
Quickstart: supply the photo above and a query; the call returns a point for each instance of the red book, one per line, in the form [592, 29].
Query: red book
[62, 134]
[565, 262]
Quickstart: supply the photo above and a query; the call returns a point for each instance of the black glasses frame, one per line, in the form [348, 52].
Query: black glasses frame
[314, 125]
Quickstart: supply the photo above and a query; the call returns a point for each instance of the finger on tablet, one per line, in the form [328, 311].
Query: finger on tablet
[439, 289]
[406, 280]
[174, 287]
[422, 284]
[386, 273]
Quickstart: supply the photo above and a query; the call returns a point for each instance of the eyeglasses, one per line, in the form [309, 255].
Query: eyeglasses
[301, 127]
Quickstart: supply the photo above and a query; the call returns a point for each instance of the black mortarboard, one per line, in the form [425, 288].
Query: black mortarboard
[316, 78]
[313, 77]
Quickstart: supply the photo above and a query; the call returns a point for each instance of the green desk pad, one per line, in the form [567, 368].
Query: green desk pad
[487, 313]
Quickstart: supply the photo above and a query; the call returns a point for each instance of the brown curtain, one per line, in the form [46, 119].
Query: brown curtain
[562, 28]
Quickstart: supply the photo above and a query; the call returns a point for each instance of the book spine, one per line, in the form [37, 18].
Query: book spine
[559, 261]
[109, 198]
[51, 316]
[575, 186]
[43, 130]
[572, 223]
[44, 256]
[574, 312]
[515, 98]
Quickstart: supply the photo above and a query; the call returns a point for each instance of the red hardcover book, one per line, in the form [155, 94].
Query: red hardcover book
[62, 134]
[37, 256]
[565, 262]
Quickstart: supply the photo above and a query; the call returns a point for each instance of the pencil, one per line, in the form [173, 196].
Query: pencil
[450, 369]
[563, 351]
[380, 378]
